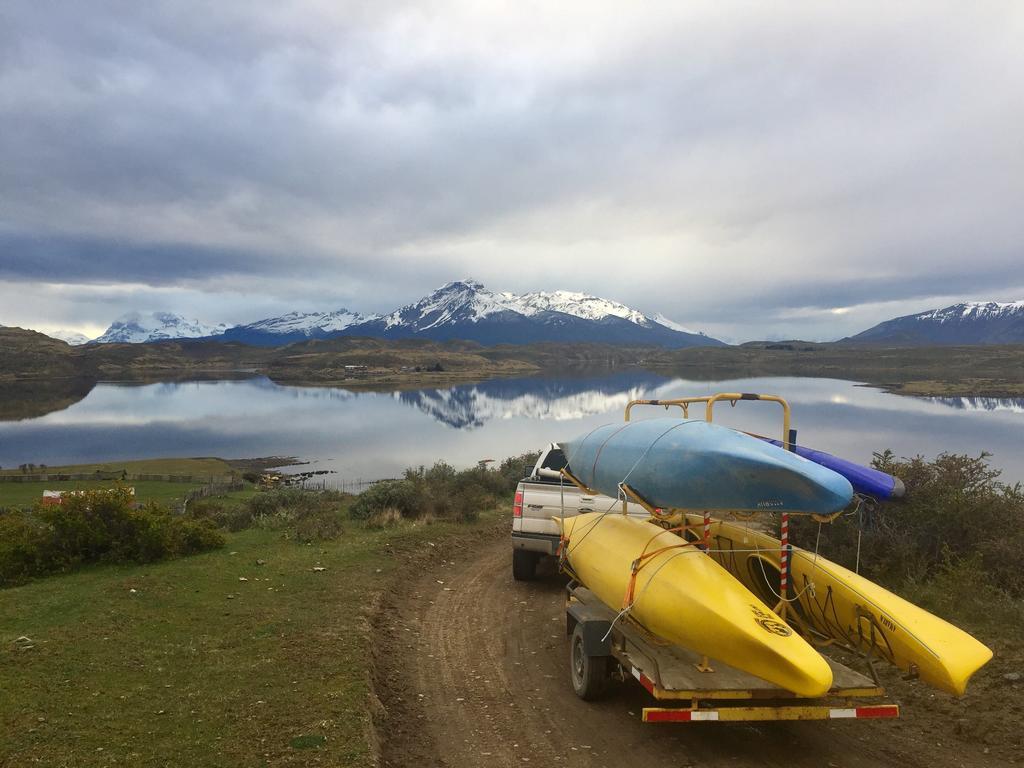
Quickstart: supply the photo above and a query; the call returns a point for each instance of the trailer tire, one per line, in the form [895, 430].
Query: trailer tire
[588, 674]
[524, 564]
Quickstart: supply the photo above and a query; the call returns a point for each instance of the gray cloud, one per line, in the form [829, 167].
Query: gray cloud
[709, 162]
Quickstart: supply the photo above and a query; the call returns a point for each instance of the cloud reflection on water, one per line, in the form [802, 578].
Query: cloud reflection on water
[369, 435]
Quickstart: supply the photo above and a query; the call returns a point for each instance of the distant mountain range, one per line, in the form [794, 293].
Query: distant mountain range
[295, 326]
[463, 309]
[466, 310]
[964, 323]
[138, 328]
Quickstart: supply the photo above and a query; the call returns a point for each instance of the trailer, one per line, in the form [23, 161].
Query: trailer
[689, 688]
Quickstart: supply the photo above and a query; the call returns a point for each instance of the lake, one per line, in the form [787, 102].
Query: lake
[370, 435]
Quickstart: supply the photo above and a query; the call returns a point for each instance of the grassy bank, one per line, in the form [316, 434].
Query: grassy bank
[200, 471]
[247, 654]
[39, 375]
[209, 466]
[979, 371]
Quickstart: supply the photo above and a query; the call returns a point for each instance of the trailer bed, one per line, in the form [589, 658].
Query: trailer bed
[671, 673]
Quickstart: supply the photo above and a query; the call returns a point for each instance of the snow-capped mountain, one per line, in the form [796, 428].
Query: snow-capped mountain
[136, 328]
[74, 338]
[465, 309]
[575, 304]
[660, 318]
[295, 326]
[964, 323]
[463, 301]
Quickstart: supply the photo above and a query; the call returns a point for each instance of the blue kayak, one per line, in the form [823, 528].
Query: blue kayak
[866, 480]
[694, 465]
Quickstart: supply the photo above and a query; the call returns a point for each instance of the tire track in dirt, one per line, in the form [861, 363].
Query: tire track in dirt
[475, 673]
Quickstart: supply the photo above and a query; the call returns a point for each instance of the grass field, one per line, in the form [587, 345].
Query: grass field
[211, 467]
[238, 657]
[25, 494]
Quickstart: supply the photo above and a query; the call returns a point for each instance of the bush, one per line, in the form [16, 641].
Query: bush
[400, 495]
[190, 537]
[385, 518]
[301, 514]
[21, 538]
[233, 517]
[444, 492]
[956, 515]
[96, 527]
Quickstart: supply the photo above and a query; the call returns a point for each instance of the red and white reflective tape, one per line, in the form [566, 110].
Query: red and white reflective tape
[707, 529]
[865, 713]
[784, 558]
[679, 715]
[739, 714]
[643, 679]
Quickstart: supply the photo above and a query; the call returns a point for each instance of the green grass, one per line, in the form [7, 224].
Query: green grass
[207, 467]
[197, 667]
[26, 494]
[16, 494]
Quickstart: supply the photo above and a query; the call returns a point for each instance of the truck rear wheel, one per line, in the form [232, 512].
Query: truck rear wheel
[589, 674]
[524, 564]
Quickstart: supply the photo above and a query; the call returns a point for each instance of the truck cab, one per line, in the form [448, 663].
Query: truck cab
[541, 498]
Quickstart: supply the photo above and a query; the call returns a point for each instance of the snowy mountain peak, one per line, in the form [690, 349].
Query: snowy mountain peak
[74, 338]
[973, 309]
[310, 323]
[458, 301]
[136, 327]
[468, 284]
[660, 319]
[465, 309]
[968, 322]
[577, 304]
[468, 300]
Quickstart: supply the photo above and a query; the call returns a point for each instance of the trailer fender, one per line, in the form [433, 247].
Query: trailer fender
[595, 626]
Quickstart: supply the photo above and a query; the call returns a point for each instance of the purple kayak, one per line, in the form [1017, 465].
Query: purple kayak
[865, 480]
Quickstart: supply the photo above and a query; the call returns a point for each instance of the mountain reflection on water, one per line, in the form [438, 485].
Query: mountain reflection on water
[470, 406]
[372, 435]
[1012, 404]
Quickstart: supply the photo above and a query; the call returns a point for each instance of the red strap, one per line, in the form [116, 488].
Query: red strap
[644, 558]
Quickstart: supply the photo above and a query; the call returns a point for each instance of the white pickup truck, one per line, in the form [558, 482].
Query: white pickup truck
[542, 497]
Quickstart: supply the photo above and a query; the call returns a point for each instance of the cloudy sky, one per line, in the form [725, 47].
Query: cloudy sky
[752, 169]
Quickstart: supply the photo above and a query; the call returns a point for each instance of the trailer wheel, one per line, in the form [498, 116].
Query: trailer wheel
[524, 564]
[589, 674]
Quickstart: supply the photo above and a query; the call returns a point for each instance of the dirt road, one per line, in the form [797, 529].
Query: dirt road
[475, 673]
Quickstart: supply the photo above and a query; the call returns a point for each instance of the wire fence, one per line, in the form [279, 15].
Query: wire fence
[345, 485]
[47, 477]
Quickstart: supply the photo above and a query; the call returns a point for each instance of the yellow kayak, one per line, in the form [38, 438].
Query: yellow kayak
[682, 595]
[846, 607]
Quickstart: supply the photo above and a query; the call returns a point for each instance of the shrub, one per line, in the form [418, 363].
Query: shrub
[443, 491]
[233, 517]
[21, 539]
[385, 518]
[320, 525]
[402, 495]
[956, 516]
[301, 514]
[190, 537]
[96, 527]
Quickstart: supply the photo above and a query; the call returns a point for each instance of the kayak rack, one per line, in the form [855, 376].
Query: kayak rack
[672, 674]
[788, 443]
[788, 436]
